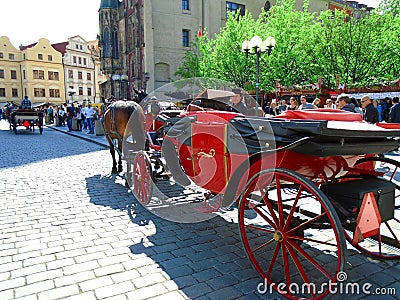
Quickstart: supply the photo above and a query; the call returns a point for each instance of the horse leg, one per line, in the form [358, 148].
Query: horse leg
[119, 155]
[112, 151]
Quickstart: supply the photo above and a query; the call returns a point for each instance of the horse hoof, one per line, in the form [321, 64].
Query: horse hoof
[114, 170]
[120, 169]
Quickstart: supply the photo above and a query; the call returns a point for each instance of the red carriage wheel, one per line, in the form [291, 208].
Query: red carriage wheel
[143, 177]
[386, 244]
[291, 234]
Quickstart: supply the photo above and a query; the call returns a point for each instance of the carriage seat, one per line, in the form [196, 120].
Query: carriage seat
[321, 114]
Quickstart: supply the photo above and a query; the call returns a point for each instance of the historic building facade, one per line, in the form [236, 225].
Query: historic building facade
[50, 73]
[142, 42]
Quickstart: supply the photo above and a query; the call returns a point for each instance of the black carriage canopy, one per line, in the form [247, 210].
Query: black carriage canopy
[326, 138]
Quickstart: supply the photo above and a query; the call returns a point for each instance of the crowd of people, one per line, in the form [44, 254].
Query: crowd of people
[63, 115]
[371, 110]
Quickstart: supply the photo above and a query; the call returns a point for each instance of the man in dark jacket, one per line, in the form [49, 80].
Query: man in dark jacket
[394, 113]
[370, 113]
[345, 103]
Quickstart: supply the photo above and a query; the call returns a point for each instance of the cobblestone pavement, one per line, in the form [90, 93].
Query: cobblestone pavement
[70, 230]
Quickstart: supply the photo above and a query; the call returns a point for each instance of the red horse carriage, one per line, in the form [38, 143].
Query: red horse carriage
[303, 183]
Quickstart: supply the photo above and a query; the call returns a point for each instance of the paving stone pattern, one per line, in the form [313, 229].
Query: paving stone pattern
[71, 230]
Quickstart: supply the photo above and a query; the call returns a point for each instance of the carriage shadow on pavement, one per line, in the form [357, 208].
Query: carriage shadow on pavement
[207, 258]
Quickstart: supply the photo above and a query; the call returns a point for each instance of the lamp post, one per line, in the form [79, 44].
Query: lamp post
[257, 46]
[71, 93]
[116, 77]
[146, 78]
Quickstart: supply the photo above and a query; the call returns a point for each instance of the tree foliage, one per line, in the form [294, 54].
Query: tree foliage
[360, 50]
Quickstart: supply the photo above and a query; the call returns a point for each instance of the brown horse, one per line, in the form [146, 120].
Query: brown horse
[123, 122]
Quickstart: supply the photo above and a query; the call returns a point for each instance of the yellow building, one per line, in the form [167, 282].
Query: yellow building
[10, 78]
[42, 73]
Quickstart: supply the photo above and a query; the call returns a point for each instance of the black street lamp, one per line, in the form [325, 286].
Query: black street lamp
[257, 46]
[71, 93]
[124, 80]
[146, 78]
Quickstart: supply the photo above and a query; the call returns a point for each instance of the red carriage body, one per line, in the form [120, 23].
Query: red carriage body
[293, 172]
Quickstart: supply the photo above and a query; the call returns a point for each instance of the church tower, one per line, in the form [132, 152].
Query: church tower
[111, 61]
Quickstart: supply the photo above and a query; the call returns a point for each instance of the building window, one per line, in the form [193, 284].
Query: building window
[54, 75]
[54, 93]
[38, 74]
[84, 61]
[14, 92]
[13, 74]
[70, 74]
[80, 60]
[40, 56]
[11, 56]
[89, 91]
[2, 92]
[233, 7]
[49, 57]
[89, 76]
[185, 4]
[79, 75]
[2, 73]
[74, 59]
[76, 46]
[80, 90]
[24, 74]
[185, 37]
[106, 43]
[39, 92]
[1, 55]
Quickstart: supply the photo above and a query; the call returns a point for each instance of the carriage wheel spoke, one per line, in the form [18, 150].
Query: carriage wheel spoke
[263, 245]
[270, 208]
[299, 266]
[295, 237]
[260, 228]
[273, 259]
[292, 210]
[280, 205]
[307, 222]
[265, 218]
[286, 266]
[310, 259]
[393, 234]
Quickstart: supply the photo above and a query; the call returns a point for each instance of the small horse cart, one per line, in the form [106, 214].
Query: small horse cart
[303, 183]
[29, 118]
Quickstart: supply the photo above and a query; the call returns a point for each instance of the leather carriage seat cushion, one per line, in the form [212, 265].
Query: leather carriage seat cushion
[320, 114]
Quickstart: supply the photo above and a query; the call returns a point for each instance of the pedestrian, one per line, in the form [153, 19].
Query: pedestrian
[79, 118]
[84, 121]
[304, 104]
[370, 113]
[70, 116]
[394, 113]
[345, 104]
[89, 116]
[26, 103]
[61, 115]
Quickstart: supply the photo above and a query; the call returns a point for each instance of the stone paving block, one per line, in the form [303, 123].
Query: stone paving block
[115, 259]
[108, 270]
[11, 266]
[76, 268]
[176, 295]
[12, 283]
[74, 278]
[148, 292]
[123, 276]
[28, 270]
[43, 276]
[147, 280]
[59, 263]
[34, 288]
[93, 284]
[59, 293]
[197, 290]
[116, 289]
[83, 296]
[7, 294]
[70, 253]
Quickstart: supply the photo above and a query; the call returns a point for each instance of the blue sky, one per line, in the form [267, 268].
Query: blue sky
[26, 21]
